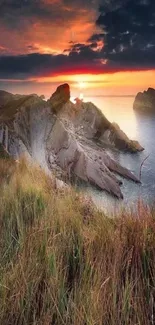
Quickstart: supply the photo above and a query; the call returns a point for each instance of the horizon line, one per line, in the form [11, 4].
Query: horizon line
[110, 96]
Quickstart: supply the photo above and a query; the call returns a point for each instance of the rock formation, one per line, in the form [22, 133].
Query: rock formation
[65, 138]
[60, 97]
[5, 97]
[145, 102]
[96, 126]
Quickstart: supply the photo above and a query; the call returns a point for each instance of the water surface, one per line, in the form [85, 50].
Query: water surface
[138, 127]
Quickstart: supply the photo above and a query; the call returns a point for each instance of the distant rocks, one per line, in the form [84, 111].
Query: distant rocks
[145, 102]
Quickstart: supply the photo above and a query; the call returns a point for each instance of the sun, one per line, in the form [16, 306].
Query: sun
[82, 85]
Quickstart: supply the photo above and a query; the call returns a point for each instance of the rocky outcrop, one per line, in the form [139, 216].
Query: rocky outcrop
[5, 97]
[120, 140]
[94, 125]
[84, 160]
[67, 139]
[59, 98]
[145, 102]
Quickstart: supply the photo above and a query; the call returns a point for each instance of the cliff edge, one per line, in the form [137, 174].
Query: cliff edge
[68, 139]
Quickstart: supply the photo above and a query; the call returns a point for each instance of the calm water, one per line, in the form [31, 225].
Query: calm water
[138, 127]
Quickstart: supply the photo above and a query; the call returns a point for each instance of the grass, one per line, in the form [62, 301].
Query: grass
[8, 111]
[64, 262]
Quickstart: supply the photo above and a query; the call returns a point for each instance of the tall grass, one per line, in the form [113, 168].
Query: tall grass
[64, 262]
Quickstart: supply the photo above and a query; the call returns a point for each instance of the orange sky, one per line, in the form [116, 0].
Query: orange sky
[38, 34]
[117, 83]
[120, 83]
[52, 28]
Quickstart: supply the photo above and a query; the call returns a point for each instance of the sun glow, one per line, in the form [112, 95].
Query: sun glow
[82, 84]
[81, 97]
[120, 83]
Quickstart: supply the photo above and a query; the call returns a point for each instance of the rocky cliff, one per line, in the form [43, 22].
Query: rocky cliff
[65, 138]
[145, 102]
[5, 97]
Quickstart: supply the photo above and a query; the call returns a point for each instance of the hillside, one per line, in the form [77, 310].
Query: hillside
[5, 97]
[64, 262]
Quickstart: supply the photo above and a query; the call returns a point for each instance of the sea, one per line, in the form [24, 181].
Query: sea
[138, 127]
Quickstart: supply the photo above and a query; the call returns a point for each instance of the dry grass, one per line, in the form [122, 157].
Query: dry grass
[8, 111]
[63, 262]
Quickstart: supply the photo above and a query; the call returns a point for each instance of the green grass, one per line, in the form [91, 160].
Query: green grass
[64, 262]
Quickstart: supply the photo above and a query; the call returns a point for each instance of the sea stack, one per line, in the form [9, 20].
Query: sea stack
[145, 101]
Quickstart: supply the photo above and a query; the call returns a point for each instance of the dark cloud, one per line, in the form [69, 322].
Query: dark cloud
[128, 35]
[96, 37]
[34, 65]
[129, 29]
[16, 13]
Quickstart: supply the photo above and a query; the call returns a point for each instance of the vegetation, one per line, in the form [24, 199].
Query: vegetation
[64, 262]
[11, 107]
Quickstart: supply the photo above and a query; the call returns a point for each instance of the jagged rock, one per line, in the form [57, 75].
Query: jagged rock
[42, 97]
[94, 125]
[59, 98]
[65, 143]
[120, 140]
[145, 102]
[87, 163]
[91, 120]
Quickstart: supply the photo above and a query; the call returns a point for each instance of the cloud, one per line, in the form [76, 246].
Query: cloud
[47, 24]
[129, 29]
[52, 41]
[34, 65]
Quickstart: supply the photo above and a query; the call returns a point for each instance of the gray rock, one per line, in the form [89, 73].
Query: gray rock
[94, 125]
[59, 98]
[69, 143]
[145, 102]
[85, 160]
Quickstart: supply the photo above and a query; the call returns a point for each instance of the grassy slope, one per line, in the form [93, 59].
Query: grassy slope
[62, 262]
[8, 110]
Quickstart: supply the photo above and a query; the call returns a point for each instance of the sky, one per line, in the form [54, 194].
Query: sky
[100, 47]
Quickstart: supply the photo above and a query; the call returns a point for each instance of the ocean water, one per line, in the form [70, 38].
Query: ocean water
[139, 127]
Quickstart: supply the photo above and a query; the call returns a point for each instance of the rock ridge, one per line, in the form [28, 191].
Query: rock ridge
[66, 139]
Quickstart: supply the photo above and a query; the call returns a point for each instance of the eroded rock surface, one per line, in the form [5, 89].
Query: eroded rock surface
[59, 98]
[145, 102]
[65, 138]
[96, 126]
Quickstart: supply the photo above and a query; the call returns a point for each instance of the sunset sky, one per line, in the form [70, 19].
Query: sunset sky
[100, 47]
